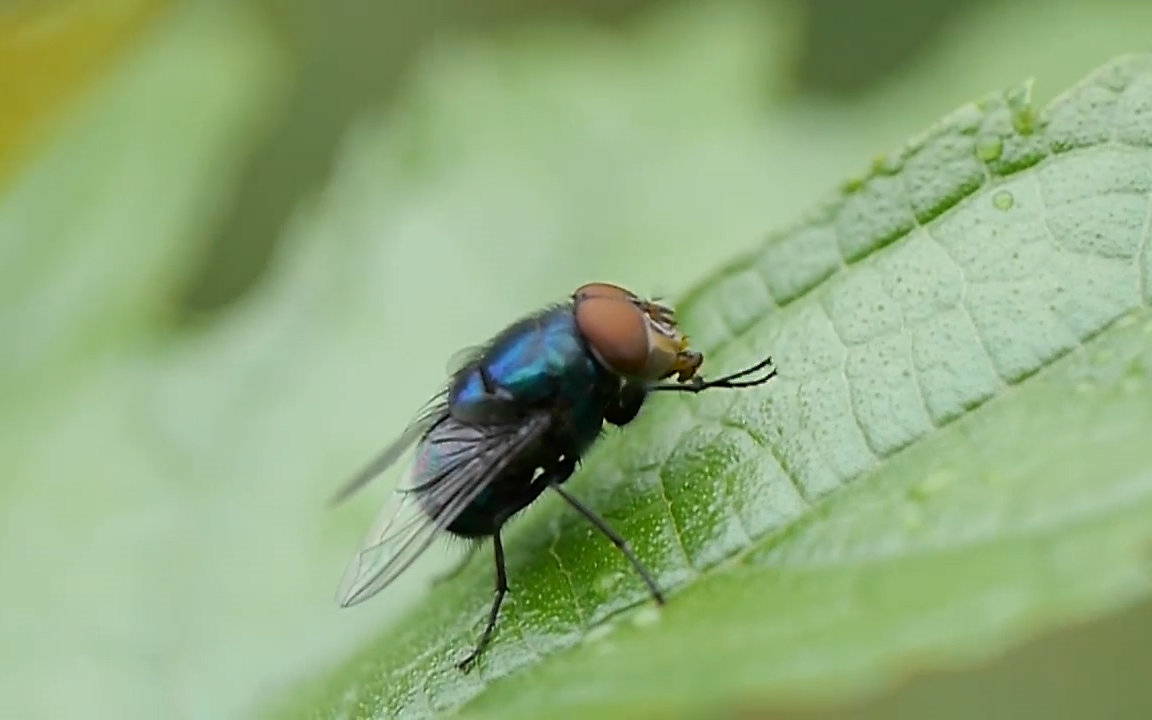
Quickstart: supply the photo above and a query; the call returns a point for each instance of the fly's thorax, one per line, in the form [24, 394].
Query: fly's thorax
[539, 362]
[632, 337]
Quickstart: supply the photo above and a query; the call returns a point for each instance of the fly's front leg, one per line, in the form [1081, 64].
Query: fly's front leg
[739, 379]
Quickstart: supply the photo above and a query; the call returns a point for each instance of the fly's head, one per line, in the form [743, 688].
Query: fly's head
[633, 337]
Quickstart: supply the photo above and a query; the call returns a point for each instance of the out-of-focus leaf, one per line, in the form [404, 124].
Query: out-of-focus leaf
[92, 238]
[96, 233]
[50, 52]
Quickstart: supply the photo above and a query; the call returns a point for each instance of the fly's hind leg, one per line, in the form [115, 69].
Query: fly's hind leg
[458, 567]
[498, 598]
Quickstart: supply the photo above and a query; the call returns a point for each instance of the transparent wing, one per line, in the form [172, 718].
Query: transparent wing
[466, 459]
[432, 414]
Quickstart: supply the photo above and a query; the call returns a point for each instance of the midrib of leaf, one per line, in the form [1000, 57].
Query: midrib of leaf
[810, 297]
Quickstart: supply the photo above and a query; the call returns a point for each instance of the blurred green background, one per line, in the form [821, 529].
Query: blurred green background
[239, 242]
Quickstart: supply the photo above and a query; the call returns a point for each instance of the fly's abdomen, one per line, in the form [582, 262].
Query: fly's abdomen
[477, 521]
[494, 506]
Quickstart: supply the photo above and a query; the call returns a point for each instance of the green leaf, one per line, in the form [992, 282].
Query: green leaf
[166, 551]
[952, 458]
[93, 237]
[115, 200]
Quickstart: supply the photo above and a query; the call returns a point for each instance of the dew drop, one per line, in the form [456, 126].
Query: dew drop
[1025, 120]
[1003, 200]
[1020, 106]
[989, 148]
[887, 164]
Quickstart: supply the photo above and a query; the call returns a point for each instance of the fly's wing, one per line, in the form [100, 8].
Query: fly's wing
[433, 414]
[425, 421]
[467, 459]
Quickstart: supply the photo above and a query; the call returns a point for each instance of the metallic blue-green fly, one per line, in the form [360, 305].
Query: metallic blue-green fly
[514, 421]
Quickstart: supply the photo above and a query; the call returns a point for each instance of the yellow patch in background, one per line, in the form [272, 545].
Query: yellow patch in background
[51, 52]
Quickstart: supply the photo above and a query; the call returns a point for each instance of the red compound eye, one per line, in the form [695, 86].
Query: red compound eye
[615, 327]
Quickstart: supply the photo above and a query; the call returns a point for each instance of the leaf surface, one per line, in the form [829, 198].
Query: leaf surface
[950, 460]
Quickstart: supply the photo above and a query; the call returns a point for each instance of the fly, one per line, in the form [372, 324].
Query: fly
[516, 417]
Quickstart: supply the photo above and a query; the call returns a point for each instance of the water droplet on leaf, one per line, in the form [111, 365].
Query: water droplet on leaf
[1003, 200]
[1020, 106]
[989, 148]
